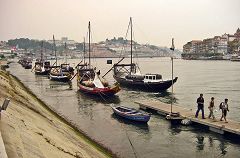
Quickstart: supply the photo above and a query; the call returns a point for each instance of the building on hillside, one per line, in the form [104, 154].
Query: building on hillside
[70, 43]
[194, 46]
[220, 45]
[216, 45]
[235, 36]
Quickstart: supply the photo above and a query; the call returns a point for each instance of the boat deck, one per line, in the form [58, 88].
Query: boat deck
[232, 127]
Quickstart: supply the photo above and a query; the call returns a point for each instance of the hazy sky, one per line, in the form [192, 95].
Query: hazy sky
[155, 21]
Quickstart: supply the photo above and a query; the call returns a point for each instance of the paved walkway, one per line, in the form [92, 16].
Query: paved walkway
[216, 126]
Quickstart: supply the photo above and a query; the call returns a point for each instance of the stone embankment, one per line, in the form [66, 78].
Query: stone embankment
[30, 129]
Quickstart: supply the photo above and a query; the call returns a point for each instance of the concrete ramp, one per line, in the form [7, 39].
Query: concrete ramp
[3, 153]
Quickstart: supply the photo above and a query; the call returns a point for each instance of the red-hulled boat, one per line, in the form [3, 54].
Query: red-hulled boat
[89, 81]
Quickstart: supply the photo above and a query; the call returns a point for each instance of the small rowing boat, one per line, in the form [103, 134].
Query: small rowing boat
[131, 114]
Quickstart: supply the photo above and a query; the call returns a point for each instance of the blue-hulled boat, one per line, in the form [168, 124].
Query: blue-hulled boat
[131, 114]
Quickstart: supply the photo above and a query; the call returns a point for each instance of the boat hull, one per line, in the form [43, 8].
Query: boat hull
[28, 66]
[145, 86]
[144, 118]
[59, 78]
[107, 91]
[41, 72]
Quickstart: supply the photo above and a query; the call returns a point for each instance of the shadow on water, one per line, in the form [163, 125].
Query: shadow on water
[60, 85]
[87, 102]
[164, 96]
[203, 138]
[200, 142]
[139, 127]
[88, 98]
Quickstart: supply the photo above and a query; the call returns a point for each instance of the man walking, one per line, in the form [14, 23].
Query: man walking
[224, 107]
[200, 102]
[211, 108]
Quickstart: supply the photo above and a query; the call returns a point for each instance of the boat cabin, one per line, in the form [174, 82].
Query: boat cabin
[152, 77]
[135, 77]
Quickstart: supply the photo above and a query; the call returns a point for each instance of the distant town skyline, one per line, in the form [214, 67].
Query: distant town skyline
[154, 21]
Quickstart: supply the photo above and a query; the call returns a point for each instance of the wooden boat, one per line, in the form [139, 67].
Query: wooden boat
[90, 82]
[57, 73]
[129, 75]
[42, 67]
[235, 57]
[131, 114]
[66, 66]
[27, 64]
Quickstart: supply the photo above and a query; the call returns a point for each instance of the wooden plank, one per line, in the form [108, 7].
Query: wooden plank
[216, 126]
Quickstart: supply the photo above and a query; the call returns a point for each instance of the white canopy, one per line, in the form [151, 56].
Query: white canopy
[97, 82]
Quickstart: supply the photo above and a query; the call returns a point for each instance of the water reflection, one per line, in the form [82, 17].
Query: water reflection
[61, 85]
[141, 128]
[94, 116]
[210, 141]
[175, 129]
[87, 103]
[223, 147]
[166, 97]
[200, 142]
[90, 99]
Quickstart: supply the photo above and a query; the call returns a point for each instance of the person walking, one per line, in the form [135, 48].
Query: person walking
[200, 102]
[211, 107]
[224, 107]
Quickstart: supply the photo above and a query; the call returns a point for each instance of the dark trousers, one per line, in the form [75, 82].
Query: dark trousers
[200, 107]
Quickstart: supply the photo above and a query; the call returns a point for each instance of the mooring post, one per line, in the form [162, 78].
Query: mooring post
[4, 106]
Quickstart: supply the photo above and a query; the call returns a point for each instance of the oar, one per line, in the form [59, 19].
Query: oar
[54, 63]
[73, 76]
[112, 67]
[33, 68]
[78, 64]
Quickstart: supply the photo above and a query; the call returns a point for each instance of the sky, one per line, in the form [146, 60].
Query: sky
[154, 21]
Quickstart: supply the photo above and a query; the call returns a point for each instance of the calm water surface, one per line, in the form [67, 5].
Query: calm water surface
[158, 138]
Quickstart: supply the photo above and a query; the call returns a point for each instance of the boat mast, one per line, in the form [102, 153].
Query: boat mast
[89, 32]
[172, 48]
[84, 51]
[41, 51]
[54, 45]
[131, 44]
[65, 47]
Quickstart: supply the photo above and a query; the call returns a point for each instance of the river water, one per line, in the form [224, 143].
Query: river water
[94, 116]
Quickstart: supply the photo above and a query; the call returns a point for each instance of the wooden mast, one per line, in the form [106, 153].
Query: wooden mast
[65, 47]
[89, 32]
[41, 52]
[84, 51]
[54, 45]
[172, 48]
[131, 44]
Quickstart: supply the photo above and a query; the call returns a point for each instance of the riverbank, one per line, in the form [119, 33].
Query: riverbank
[30, 129]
